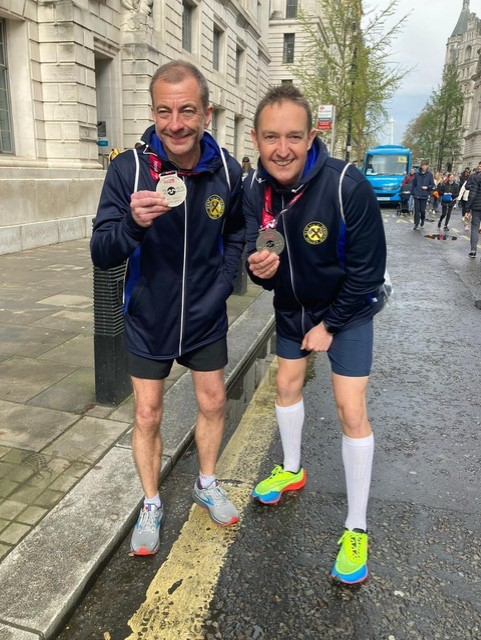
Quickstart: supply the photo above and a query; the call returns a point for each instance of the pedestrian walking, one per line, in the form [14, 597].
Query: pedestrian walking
[422, 185]
[172, 209]
[463, 194]
[435, 198]
[315, 236]
[473, 210]
[448, 192]
[406, 205]
[246, 167]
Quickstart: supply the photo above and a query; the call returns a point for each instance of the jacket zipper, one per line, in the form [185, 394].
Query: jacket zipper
[290, 268]
[184, 275]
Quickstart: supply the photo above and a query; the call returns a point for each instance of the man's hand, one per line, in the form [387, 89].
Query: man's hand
[264, 264]
[317, 339]
[146, 206]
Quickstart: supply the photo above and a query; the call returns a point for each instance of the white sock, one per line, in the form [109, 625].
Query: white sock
[205, 481]
[290, 421]
[155, 501]
[357, 455]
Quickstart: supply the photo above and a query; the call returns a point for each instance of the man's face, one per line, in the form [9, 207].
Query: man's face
[180, 119]
[283, 140]
[424, 167]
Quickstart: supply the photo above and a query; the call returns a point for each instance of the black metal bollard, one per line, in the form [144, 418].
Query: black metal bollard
[240, 281]
[112, 382]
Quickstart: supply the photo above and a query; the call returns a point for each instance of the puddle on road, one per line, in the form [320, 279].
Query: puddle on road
[440, 236]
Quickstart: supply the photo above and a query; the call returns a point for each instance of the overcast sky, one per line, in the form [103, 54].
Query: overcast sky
[420, 44]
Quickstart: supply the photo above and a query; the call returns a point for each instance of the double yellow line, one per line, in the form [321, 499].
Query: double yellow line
[179, 596]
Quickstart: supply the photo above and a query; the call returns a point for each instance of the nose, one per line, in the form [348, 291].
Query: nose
[176, 122]
[282, 148]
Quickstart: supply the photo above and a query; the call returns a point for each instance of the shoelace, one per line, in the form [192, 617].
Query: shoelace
[353, 544]
[147, 521]
[217, 494]
[276, 471]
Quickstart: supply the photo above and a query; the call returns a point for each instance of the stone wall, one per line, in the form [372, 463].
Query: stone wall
[76, 64]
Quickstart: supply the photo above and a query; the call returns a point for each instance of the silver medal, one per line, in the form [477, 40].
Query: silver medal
[172, 188]
[271, 240]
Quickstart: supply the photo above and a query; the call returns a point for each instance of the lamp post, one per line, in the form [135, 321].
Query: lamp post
[353, 71]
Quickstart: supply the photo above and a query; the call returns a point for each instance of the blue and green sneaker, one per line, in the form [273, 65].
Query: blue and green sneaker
[351, 562]
[270, 490]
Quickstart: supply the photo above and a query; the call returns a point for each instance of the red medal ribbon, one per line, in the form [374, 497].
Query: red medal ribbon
[269, 220]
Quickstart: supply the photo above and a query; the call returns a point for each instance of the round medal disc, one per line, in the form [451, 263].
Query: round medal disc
[172, 188]
[271, 240]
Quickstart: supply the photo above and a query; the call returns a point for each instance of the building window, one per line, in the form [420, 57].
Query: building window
[288, 51]
[291, 8]
[286, 81]
[6, 144]
[215, 123]
[239, 64]
[216, 49]
[187, 22]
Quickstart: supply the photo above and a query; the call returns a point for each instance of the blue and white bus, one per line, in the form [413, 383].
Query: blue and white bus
[385, 167]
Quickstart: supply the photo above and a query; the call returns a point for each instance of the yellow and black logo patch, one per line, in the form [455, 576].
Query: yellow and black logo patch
[315, 232]
[215, 207]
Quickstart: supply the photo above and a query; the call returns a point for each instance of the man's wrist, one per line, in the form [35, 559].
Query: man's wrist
[328, 328]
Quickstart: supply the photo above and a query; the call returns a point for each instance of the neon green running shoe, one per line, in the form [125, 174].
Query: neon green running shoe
[351, 562]
[270, 490]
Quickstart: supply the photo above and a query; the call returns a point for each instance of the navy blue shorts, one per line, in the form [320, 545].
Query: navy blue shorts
[350, 353]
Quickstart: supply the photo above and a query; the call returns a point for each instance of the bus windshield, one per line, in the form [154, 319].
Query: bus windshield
[386, 164]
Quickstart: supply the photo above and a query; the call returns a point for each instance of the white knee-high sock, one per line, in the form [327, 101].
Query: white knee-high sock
[357, 455]
[290, 421]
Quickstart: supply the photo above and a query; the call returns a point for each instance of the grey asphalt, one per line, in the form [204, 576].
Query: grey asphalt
[68, 487]
[424, 511]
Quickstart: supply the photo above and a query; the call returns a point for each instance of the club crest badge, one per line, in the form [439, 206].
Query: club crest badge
[215, 207]
[315, 232]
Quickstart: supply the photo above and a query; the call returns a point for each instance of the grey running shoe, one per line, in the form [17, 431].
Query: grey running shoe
[215, 500]
[145, 536]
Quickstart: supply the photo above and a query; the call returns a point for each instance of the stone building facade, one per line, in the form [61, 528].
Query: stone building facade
[287, 40]
[74, 76]
[464, 49]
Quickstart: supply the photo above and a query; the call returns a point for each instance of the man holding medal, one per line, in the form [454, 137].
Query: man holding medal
[171, 207]
[315, 236]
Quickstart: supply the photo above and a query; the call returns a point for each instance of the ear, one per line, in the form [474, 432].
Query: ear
[208, 115]
[310, 138]
[254, 139]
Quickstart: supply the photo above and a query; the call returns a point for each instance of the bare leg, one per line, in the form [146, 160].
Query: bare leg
[209, 428]
[290, 380]
[146, 438]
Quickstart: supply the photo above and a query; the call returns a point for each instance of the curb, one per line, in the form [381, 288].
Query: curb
[45, 576]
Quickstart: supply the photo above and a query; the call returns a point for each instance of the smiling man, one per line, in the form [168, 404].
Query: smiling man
[315, 236]
[172, 208]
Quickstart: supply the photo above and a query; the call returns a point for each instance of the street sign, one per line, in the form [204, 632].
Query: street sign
[324, 125]
[325, 112]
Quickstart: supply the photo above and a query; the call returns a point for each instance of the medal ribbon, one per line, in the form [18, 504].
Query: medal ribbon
[155, 166]
[269, 220]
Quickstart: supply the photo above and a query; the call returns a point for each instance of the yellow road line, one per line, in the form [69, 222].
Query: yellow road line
[178, 598]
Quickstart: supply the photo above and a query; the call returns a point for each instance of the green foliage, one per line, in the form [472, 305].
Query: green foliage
[436, 133]
[346, 63]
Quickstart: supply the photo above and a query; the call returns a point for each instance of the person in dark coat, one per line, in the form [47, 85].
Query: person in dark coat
[315, 236]
[448, 192]
[473, 210]
[422, 185]
[171, 209]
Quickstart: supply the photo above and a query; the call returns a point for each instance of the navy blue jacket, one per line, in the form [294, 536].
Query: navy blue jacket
[474, 200]
[333, 265]
[180, 271]
[420, 180]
